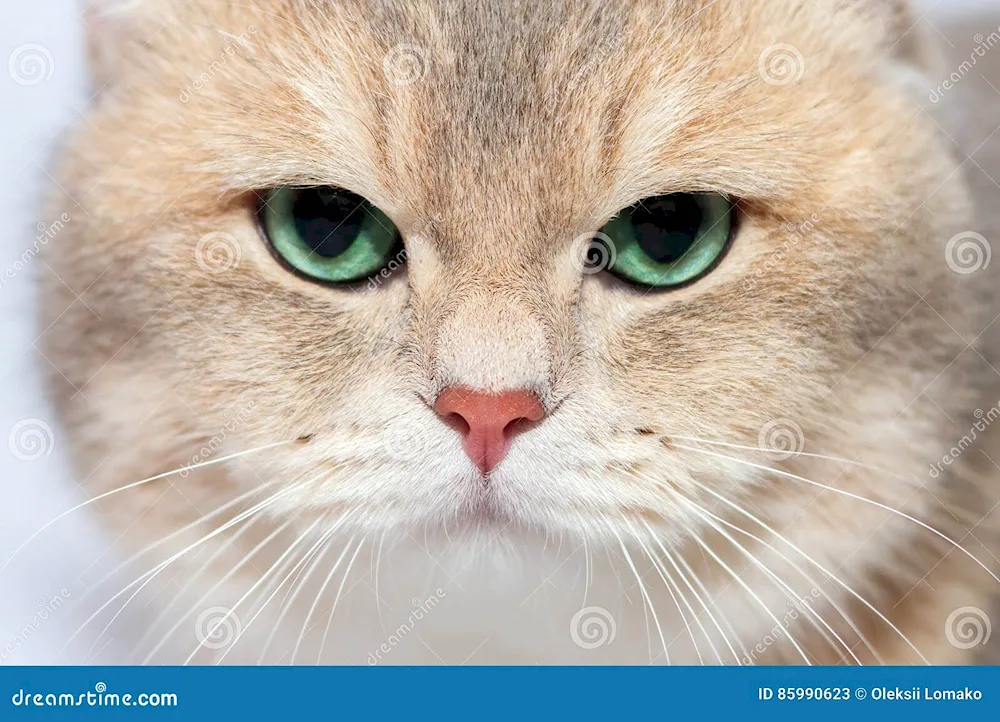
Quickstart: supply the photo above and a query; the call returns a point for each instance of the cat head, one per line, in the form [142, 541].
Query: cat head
[503, 355]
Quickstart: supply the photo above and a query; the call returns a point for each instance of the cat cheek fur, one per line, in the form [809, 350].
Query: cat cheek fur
[818, 330]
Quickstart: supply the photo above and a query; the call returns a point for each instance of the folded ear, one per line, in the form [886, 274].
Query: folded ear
[914, 53]
[111, 25]
[909, 42]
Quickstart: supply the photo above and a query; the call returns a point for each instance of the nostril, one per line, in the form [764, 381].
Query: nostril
[516, 426]
[456, 421]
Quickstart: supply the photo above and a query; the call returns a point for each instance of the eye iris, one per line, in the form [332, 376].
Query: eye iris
[329, 234]
[328, 221]
[669, 240]
[665, 227]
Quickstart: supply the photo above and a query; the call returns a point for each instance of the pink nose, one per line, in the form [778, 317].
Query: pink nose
[487, 421]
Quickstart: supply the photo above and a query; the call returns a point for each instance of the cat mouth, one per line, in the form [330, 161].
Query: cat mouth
[486, 507]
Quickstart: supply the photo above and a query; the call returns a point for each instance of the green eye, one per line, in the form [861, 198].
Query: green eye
[668, 240]
[329, 234]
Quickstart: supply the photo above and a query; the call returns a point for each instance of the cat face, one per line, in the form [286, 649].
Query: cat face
[494, 139]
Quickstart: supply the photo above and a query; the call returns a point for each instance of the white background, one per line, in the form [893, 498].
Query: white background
[32, 119]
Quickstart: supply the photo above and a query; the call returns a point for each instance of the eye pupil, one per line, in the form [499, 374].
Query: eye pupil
[666, 241]
[327, 220]
[665, 227]
[329, 234]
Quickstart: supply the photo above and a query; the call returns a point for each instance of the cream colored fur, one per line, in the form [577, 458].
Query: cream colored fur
[834, 314]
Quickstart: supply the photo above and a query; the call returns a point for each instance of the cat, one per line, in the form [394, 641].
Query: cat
[513, 423]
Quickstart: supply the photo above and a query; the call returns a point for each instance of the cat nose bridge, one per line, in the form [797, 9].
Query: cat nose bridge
[491, 340]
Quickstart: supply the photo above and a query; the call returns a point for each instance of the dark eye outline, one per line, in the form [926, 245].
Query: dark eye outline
[396, 250]
[735, 222]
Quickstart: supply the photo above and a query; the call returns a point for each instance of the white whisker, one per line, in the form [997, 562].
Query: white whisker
[748, 590]
[848, 494]
[688, 604]
[336, 601]
[645, 595]
[705, 514]
[808, 578]
[819, 566]
[305, 570]
[319, 557]
[163, 565]
[707, 595]
[299, 566]
[806, 454]
[194, 577]
[669, 585]
[222, 582]
[211, 633]
[319, 595]
[133, 485]
[187, 527]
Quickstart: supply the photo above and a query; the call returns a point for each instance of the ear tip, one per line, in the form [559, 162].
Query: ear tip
[909, 40]
[107, 24]
[112, 7]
